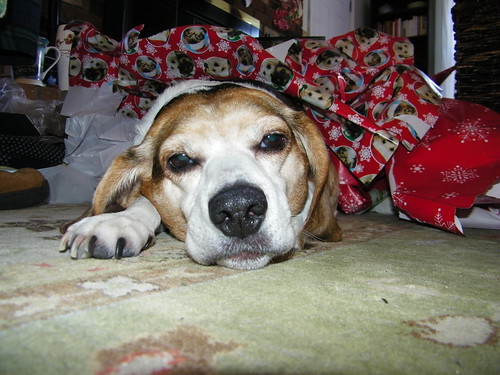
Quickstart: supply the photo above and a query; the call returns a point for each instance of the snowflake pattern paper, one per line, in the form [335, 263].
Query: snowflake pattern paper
[451, 166]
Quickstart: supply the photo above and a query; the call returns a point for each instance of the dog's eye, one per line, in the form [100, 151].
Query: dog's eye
[273, 142]
[180, 162]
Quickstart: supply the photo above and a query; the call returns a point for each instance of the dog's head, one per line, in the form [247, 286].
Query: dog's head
[180, 64]
[403, 49]
[217, 67]
[234, 172]
[366, 36]
[274, 71]
[95, 70]
[328, 59]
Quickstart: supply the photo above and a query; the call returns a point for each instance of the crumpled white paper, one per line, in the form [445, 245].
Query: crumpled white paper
[92, 142]
[81, 101]
[69, 185]
[94, 138]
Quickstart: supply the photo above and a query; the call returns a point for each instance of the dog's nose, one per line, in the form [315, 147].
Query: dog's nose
[238, 211]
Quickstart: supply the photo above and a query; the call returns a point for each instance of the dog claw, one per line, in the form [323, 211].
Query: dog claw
[73, 253]
[85, 241]
[77, 248]
[149, 242]
[63, 245]
[91, 245]
[120, 245]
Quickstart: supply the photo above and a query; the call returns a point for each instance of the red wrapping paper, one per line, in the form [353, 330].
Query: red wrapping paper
[361, 90]
[453, 164]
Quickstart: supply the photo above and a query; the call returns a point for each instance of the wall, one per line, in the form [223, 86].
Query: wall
[334, 17]
[444, 45]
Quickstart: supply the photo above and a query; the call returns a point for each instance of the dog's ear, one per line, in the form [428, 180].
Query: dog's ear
[321, 222]
[120, 185]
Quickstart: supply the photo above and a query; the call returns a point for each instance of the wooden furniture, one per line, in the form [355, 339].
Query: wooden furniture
[408, 18]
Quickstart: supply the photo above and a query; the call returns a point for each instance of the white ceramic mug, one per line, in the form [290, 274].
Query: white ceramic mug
[34, 74]
[64, 42]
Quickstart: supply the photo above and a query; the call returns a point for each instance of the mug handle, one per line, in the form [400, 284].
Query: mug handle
[58, 56]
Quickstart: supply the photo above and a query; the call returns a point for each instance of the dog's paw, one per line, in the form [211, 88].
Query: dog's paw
[106, 236]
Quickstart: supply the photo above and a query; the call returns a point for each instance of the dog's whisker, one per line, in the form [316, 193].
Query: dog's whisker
[313, 236]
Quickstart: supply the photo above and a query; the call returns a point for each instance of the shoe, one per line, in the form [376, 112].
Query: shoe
[22, 188]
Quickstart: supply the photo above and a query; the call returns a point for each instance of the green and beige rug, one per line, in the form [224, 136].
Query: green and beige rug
[393, 298]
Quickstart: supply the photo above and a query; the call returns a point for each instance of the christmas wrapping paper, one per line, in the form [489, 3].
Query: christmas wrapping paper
[453, 164]
[361, 88]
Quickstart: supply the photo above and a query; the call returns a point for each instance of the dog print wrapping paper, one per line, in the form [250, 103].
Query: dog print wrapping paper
[376, 111]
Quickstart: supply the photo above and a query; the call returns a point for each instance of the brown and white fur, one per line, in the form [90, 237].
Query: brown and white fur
[228, 168]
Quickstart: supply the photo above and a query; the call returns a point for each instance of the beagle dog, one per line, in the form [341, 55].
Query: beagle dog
[229, 168]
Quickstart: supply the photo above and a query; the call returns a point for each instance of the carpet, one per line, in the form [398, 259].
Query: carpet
[393, 297]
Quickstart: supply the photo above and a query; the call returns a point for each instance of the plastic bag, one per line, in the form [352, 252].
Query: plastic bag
[43, 114]
[93, 141]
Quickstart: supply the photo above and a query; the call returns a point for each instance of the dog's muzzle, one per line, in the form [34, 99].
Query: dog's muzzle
[238, 211]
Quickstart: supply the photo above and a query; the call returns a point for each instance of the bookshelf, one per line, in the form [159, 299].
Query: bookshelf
[407, 18]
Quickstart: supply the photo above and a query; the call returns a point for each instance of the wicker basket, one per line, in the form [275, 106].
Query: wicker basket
[476, 26]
